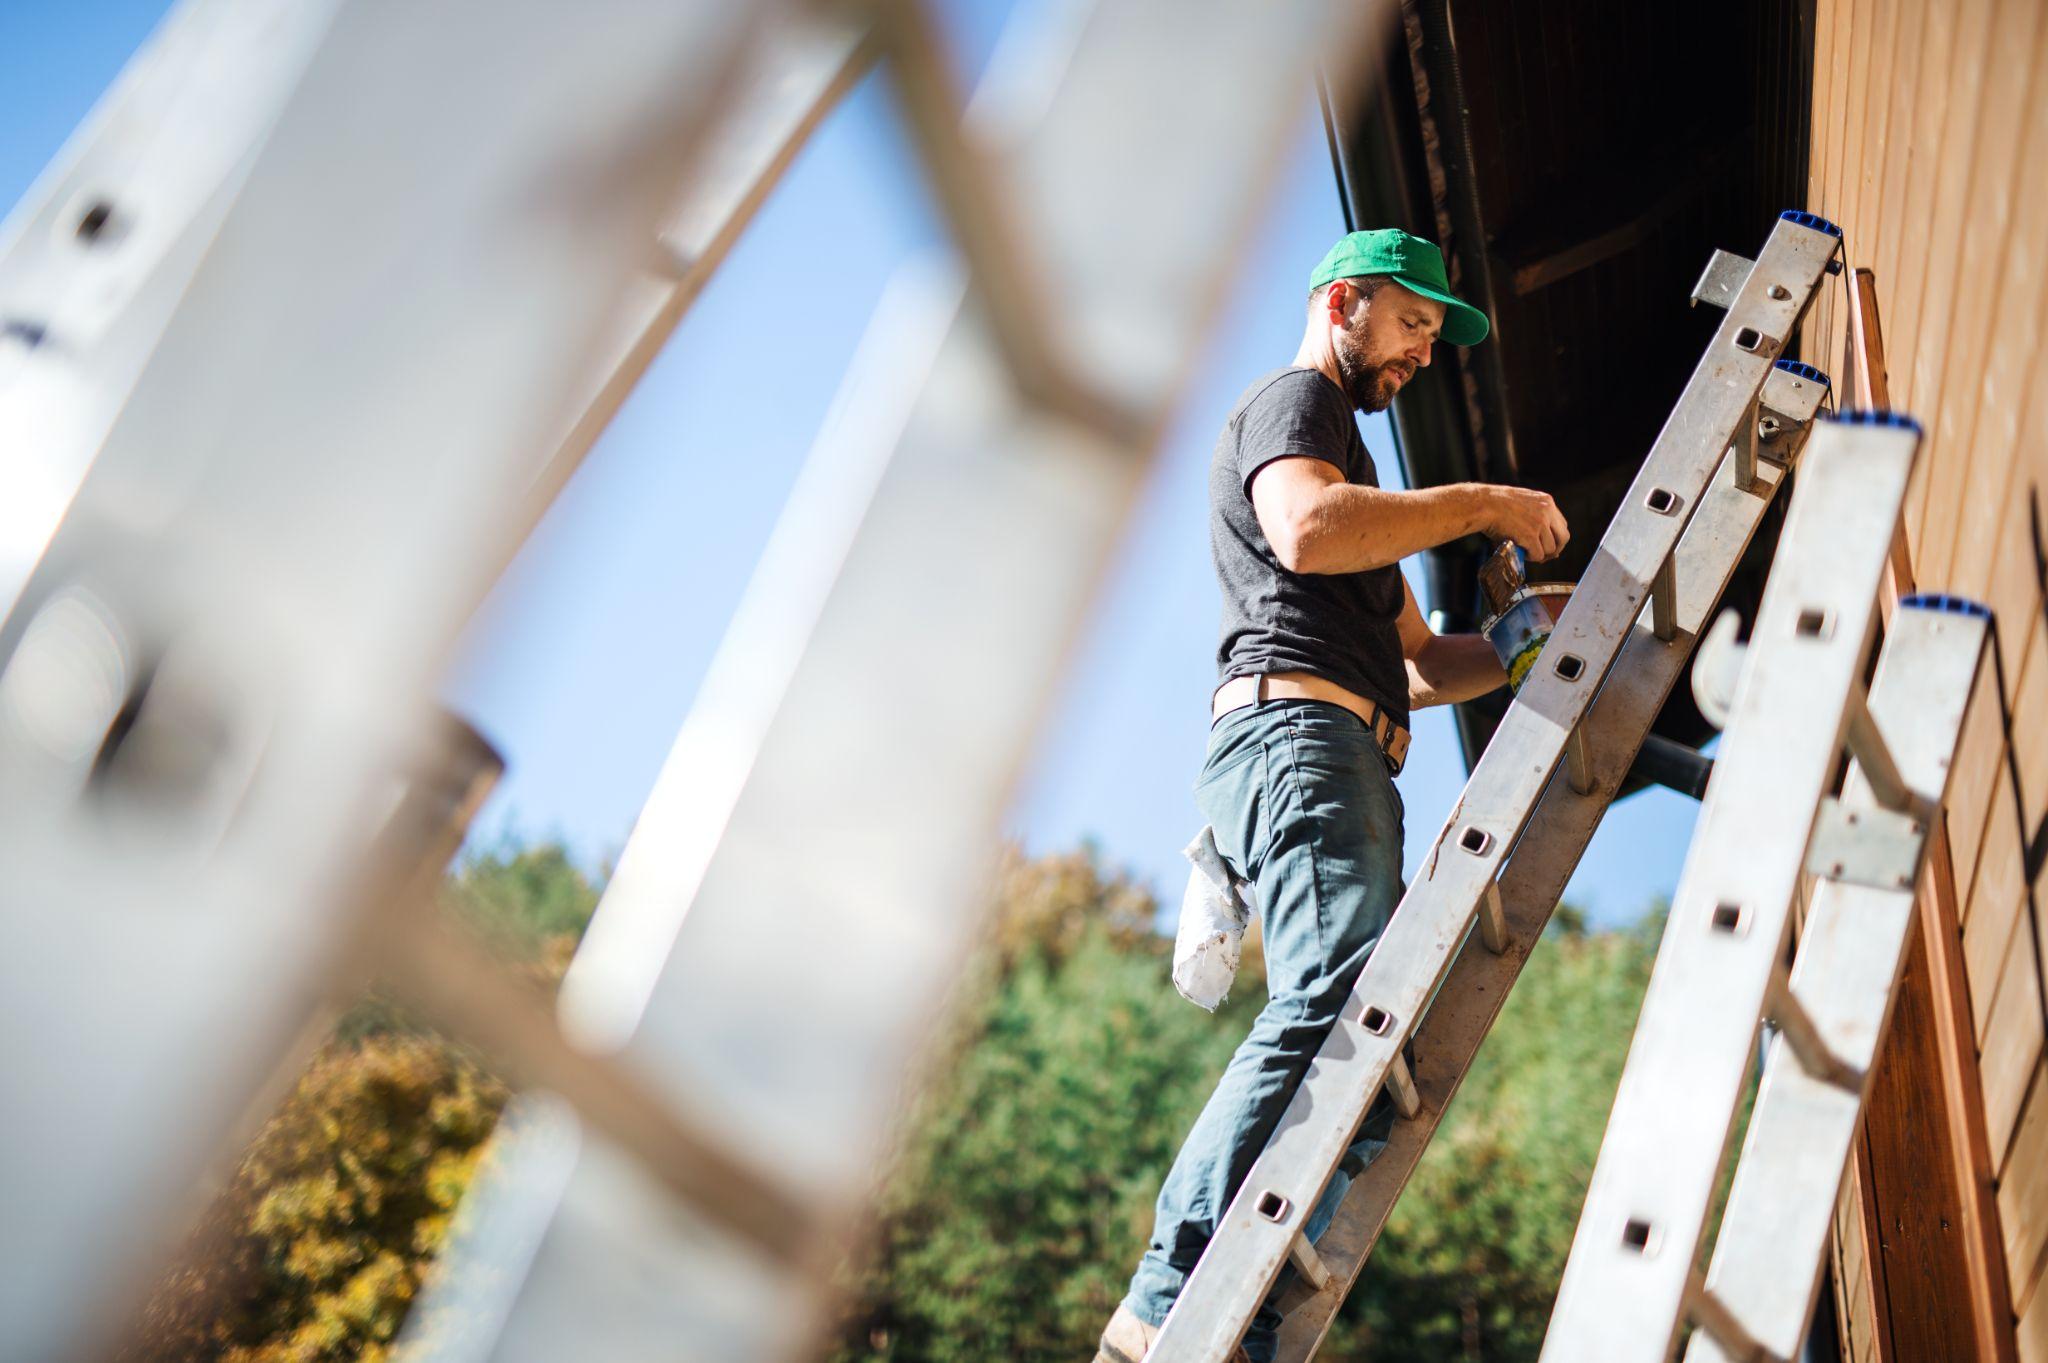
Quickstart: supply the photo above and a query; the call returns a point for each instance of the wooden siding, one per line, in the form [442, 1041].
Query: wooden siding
[1929, 142]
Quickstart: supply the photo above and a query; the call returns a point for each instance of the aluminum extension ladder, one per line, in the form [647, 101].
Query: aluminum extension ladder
[1768, 821]
[1527, 811]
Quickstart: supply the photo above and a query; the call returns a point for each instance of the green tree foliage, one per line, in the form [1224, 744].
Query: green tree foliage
[1024, 1195]
[1024, 1190]
[332, 1218]
[321, 1240]
[1033, 1164]
[527, 900]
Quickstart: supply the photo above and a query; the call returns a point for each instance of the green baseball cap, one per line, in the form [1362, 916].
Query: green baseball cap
[1418, 264]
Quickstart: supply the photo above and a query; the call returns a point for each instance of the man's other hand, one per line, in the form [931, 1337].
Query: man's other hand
[1529, 518]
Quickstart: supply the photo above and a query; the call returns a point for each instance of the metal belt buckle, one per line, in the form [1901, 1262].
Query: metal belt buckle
[1397, 746]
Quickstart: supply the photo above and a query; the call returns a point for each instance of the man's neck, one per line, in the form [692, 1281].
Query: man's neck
[1317, 354]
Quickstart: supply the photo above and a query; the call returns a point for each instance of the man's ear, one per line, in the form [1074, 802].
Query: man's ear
[1337, 302]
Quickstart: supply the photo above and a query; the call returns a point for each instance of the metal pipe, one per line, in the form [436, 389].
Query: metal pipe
[1668, 763]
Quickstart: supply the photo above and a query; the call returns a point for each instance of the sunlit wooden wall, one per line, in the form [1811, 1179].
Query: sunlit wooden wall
[1930, 148]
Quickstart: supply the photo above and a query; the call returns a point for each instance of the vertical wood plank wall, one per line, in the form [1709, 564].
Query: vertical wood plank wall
[1930, 149]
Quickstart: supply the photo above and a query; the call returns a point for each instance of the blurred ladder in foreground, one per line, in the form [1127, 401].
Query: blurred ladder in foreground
[296, 416]
[1528, 810]
[1767, 822]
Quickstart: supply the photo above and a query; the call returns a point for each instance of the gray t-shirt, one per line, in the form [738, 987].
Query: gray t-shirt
[1340, 626]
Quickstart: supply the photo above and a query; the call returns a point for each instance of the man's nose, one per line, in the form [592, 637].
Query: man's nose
[1421, 354]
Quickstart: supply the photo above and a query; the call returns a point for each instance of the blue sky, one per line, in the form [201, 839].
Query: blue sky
[584, 661]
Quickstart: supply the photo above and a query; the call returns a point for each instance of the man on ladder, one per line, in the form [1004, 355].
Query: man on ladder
[1323, 653]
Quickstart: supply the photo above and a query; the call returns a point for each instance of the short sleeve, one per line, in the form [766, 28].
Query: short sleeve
[1299, 413]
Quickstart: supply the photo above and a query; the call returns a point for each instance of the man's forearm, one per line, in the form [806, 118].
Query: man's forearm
[1452, 667]
[1353, 528]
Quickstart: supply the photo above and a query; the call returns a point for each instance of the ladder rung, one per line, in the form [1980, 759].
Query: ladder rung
[1797, 1027]
[1727, 1332]
[1578, 770]
[1744, 450]
[1309, 1263]
[1664, 602]
[1866, 742]
[1401, 1087]
[1493, 923]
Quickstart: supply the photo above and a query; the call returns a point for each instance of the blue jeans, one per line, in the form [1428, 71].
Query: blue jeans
[1304, 807]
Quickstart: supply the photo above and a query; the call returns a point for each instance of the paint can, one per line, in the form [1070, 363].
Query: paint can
[1518, 630]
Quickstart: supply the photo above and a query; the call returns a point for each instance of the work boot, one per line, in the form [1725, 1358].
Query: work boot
[1128, 1340]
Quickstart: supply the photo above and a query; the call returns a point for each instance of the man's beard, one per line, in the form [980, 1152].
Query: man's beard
[1370, 386]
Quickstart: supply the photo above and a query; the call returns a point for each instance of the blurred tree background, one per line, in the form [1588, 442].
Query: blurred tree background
[1024, 1196]
[1023, 1193]
[332, 1219]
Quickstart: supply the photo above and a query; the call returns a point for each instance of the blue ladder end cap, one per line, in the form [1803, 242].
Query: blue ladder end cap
[1951, 605]
[1813, 220]
[1858, 416]
[1804, 371]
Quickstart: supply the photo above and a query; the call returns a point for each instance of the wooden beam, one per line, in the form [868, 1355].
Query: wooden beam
[1870, 388]
[1909, 1124]
[1955, 1045]
[1939, 1281]
[1558, 251]
[1870, 1262]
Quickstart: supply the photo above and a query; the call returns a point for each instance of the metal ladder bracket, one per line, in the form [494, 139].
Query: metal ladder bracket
[1717, 668]
[1786, 408]
[1865, 845]
[1722, 279]
[1793, 392]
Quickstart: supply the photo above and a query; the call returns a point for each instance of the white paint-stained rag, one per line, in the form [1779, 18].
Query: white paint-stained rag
[1214, 911]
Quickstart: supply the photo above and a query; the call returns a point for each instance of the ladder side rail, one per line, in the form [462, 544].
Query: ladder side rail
[290, 517]
[794, 77]
[1249, 1247]
[1765, 1272]
[1625, 1287]
[1477, 987]
[97, 254]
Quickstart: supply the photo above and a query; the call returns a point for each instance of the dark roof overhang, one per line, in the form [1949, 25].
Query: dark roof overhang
[1578, 161]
